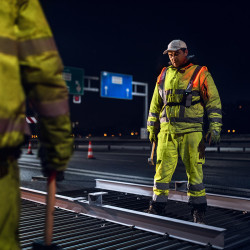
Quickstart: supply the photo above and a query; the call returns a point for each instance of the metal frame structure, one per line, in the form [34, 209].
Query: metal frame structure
[214, 200]
[134, 93]
[188, 231]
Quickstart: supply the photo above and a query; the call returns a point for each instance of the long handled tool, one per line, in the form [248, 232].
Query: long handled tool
[49, 221]
[151, 159]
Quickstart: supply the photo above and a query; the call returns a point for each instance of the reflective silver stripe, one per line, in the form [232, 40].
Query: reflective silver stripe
[164, 97]
[187, 119]
[169, 91]
[151, 114]
[13, 125]
[179, 119]
[150, 123]
[52, 109]
[182, 111]
[197, 187]
[160, 88]
[160, 198]
[164, 119]
[8, 46]
[160, 92]
[161, 82]
[197, 200]
[219, 120]
[161, 186]
[181, 92]
[36, 46]
[218, 111]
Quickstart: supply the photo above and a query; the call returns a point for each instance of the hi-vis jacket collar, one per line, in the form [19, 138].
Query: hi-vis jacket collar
[183, 67]
[188, 64]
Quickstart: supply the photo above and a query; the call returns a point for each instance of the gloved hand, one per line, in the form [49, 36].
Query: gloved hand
[47, 171]
[213, 137]
[152, 136]
[59, 174]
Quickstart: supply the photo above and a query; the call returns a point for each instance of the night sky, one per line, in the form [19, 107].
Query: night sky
[129, 37]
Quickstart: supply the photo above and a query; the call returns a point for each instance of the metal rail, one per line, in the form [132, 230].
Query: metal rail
[77, 231]
[214, 200]
[188, 231]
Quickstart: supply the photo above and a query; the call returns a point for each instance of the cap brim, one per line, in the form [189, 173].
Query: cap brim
[167, 50]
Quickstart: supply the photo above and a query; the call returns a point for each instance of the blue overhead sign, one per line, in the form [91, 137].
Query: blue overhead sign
[114, 85]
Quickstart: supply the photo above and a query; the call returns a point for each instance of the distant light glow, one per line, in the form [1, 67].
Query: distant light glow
[132, 133]
[233, 131]
[105, 134]
[229, 131]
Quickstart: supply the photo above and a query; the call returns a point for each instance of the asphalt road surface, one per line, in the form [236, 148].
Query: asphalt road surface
[227, 171]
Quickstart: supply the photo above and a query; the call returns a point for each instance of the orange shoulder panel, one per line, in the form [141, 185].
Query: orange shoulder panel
[159, 78]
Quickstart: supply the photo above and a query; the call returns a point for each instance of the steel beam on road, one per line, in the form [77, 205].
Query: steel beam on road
[213, 200]
[188, 231]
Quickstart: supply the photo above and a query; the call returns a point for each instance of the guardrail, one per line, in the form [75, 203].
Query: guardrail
[236, 145]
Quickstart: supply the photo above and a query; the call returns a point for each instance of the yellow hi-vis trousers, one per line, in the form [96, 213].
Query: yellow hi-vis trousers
[9, 205]
[189, 147]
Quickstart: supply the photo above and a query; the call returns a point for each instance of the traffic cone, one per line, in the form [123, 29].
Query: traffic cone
[90, 152]
[29, 152]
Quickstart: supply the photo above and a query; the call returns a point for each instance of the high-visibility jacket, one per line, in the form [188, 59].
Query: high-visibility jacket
[180, 97]
[30, 67]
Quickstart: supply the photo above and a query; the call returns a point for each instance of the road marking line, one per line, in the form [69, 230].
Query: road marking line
[97, 174]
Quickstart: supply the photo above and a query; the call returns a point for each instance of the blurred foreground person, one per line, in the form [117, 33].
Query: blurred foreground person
[30, 67]
[183, 92]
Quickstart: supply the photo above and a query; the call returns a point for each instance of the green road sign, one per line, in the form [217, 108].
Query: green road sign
[74, 78]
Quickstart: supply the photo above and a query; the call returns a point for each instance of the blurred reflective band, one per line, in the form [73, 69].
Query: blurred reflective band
[28, 47]
[8, 46]
[11, 125]
[36, 46]
[52, 109]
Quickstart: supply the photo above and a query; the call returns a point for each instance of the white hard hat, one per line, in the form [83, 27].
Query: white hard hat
[175, 45]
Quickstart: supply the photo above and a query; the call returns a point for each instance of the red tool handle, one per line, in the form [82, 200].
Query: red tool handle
[50, 201]
[153, 151]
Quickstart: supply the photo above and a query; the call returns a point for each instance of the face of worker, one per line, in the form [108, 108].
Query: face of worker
[178, 57]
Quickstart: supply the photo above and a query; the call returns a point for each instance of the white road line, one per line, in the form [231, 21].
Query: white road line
[96, 174]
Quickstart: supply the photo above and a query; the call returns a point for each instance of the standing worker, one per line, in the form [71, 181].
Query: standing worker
[30, 67]
[183, 92]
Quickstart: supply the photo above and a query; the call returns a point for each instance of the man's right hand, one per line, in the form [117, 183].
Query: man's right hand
[152, 136]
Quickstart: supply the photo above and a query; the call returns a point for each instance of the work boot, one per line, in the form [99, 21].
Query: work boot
[199, 216]
[198, 212]
[158, 208]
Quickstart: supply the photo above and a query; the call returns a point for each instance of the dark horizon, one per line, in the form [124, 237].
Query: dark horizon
[129, 38]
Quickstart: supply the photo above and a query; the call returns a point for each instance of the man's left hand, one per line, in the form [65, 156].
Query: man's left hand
[213, 137]
[201, 149]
